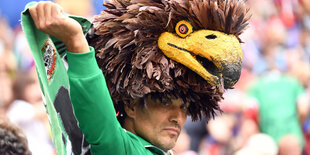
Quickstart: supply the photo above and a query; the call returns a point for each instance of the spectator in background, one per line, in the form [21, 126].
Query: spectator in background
[8, 62]
[28, 112]
[182, 147]
[259, 144]
[6, 92]
[196, 131]
[7, 66]
[220, 139]
[12, 139]
[22, 52]
[305, 108]
[277, 96]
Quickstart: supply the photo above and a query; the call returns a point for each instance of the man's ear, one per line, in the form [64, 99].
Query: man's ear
[130, 109]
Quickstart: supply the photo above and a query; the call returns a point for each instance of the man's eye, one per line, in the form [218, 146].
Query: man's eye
[184, 107]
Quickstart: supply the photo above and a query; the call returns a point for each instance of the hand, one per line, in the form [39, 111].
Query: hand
[49, 18]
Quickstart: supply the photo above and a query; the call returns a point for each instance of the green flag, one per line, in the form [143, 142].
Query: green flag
[49, 55]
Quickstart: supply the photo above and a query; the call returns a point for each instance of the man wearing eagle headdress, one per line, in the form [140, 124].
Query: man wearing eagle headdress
[161, 59]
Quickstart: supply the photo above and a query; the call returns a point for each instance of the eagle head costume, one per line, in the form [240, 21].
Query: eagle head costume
[187, 49]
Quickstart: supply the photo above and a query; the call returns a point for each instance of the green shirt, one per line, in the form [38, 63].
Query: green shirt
[93, 108]
[277, 99]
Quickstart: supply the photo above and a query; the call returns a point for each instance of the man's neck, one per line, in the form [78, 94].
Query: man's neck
[128, 125]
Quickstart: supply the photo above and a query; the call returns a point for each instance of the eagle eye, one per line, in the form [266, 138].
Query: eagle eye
[183, 28]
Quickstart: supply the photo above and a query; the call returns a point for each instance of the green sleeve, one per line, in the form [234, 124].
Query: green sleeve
[92, 104]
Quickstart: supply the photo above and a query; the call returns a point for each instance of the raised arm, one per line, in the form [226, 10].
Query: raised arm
[92, 104]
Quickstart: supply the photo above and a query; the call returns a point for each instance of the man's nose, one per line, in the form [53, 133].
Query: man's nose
[178, 115]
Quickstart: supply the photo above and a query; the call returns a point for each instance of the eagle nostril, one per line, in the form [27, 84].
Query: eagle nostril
[211, 36]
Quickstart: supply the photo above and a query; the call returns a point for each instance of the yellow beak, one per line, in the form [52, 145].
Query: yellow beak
[214, 55]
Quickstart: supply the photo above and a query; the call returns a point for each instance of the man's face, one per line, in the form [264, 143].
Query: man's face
[160, 124]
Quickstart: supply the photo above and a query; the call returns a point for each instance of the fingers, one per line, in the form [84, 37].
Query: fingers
[47, 13]
[44, 14]
[41, 15]
[56, 10]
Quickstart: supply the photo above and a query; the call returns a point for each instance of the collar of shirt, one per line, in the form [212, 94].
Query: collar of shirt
[151, 147]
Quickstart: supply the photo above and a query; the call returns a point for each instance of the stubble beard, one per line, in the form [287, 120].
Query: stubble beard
[172, 139]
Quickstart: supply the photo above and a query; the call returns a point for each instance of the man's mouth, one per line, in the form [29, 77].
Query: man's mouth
[172, 131]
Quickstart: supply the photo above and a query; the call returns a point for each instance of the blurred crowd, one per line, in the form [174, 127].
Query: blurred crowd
[267, 113]
[268, 110]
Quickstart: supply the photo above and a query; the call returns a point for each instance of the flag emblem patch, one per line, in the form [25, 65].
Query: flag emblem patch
[49, 58]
